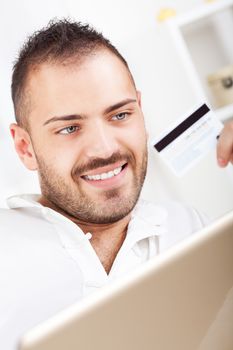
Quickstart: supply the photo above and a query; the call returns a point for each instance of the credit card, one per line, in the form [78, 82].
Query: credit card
[184, 144]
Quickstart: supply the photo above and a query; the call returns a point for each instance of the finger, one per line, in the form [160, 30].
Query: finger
[225, 145]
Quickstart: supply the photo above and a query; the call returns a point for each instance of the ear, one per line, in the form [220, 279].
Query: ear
[139, 97]
[23, 146]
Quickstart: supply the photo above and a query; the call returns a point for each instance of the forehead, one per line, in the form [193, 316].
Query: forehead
[97, 82]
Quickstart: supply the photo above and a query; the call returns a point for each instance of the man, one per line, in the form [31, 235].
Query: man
[81, 127]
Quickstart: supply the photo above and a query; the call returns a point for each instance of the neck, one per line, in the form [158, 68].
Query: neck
[106, 240]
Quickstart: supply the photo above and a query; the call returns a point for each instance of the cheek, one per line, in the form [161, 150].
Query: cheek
[136, 137]
[58, 161]
[59, 157]
[63, 164]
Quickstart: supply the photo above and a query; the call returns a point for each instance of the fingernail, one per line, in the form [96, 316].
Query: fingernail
[222, 162]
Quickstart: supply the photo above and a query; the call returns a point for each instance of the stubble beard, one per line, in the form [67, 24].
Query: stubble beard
[112, 206]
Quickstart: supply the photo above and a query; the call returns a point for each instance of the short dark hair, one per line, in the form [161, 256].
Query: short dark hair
[59, 41]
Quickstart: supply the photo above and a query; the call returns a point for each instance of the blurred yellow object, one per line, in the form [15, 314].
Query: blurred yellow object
[209, 0]
[165, 13]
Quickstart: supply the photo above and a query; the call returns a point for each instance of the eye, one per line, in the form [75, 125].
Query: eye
[69, 130]
[120, 116]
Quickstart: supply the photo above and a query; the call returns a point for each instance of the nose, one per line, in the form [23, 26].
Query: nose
[102, 141]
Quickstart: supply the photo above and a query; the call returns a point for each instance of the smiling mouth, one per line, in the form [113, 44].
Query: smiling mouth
[105, 175]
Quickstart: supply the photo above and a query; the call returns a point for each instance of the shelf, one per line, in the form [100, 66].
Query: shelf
[201, 12]
[203, 39]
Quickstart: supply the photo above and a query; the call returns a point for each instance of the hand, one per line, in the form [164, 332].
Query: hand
[225, 145]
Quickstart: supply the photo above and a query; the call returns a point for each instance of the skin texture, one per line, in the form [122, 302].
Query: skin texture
[86, 119]
[225, 145]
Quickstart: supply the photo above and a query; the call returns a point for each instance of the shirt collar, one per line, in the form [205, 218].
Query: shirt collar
[147, 218]
[23, 201]
[70, 234]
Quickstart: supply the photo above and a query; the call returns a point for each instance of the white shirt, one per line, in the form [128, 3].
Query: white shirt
[47, 262]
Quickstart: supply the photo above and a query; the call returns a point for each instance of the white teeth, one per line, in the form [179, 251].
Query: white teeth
[117, 171]
[104, 176]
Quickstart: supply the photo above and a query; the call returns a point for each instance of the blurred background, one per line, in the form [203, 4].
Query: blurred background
[179, 52]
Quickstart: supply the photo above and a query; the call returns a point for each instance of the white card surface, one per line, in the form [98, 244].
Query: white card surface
[189, 140]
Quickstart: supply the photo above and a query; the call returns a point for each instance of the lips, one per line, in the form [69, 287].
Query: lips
[104, 173]
[105, 176]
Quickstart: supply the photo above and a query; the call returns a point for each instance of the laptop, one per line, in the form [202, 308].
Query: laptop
[182, 299]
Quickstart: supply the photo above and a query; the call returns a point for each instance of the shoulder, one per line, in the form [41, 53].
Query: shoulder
[6, 215]
[14, 216]
[21, 222]
[183, 215]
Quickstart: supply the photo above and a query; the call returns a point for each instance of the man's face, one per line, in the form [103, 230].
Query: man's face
[88, 136]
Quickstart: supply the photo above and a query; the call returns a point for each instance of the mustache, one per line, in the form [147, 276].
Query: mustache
[101, 162]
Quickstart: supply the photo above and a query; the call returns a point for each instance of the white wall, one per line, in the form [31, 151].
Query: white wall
[158, 71]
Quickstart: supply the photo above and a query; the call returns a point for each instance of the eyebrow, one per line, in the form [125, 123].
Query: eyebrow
[79, 117]
[64, 117]
[119, 105]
